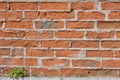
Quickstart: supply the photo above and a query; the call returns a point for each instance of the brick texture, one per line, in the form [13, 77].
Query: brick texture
[60, 39]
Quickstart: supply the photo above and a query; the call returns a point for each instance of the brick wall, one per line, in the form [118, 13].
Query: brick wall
[60, 38]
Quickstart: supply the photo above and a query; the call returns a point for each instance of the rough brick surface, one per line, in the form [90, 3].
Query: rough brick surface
[51, 6]
[58, 39]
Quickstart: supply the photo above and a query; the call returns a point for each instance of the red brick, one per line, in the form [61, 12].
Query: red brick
[23, 6]
[117, 54]
[55, 62]
[83, 6]
[111, 44]
[85, 44]
[12, 33]
[76, 72]
[18, 52]
[114, 15]
[111, 5]
[118, 34]
[100, 35]
[91, 16]
[31, 62]
[100, 53]
[80, 25]
[3, 6]
[0, 24]
[49, 25]
[46, 34]
[111, 63]
[40, 53]
[11, 15]
[31, 34]
[11, 61]
[44, 72]
[57, 15]
[19, 43]
[4, 52]
[109, 25]
[70, 34]
[67, 53]
[85, 63]
[17, 62]
[39, 35]
[54, 6]
[31, 15]
[55, 44]
[18, 24]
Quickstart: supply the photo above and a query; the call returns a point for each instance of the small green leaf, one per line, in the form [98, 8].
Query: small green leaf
[18, 73]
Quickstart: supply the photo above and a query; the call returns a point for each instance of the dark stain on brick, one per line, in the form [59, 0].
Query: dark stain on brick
[47, 25]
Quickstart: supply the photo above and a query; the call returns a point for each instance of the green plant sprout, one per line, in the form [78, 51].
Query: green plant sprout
[16, 73]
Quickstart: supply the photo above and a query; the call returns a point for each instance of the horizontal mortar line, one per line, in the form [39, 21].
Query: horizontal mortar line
[62, 29]
[78, 20]
[69, 58]
[73, 67]
[54, 10]
[64, 78]
[42, 48]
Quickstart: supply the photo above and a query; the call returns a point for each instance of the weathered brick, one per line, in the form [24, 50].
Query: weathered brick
[55, 62]
[49, 25]
[114, 15]
[67, 53]
[11, 15]
[109, 25]
[111, 44]
[100, 35]
[23, 6]
[11, 61]
[54, 6]
[74, 39]
[57, 15]
[85, 44]
[39, 53]
[0, 24]
[111, 63]
[12, 33]
[31, 15]
[117, 54]
[31, 34]
[118, 34]
[44, 72]
[31, 62]
[85, 63]
[18, 52]
[55, 44]
[80, 25]
[76, 72]
[91, 16]
[100, 53]
[83, 6]
[111, 5]
[4, 52]
[19, 43]
[46, 34]
[69, 34]
[3, 6]
[18, 24]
